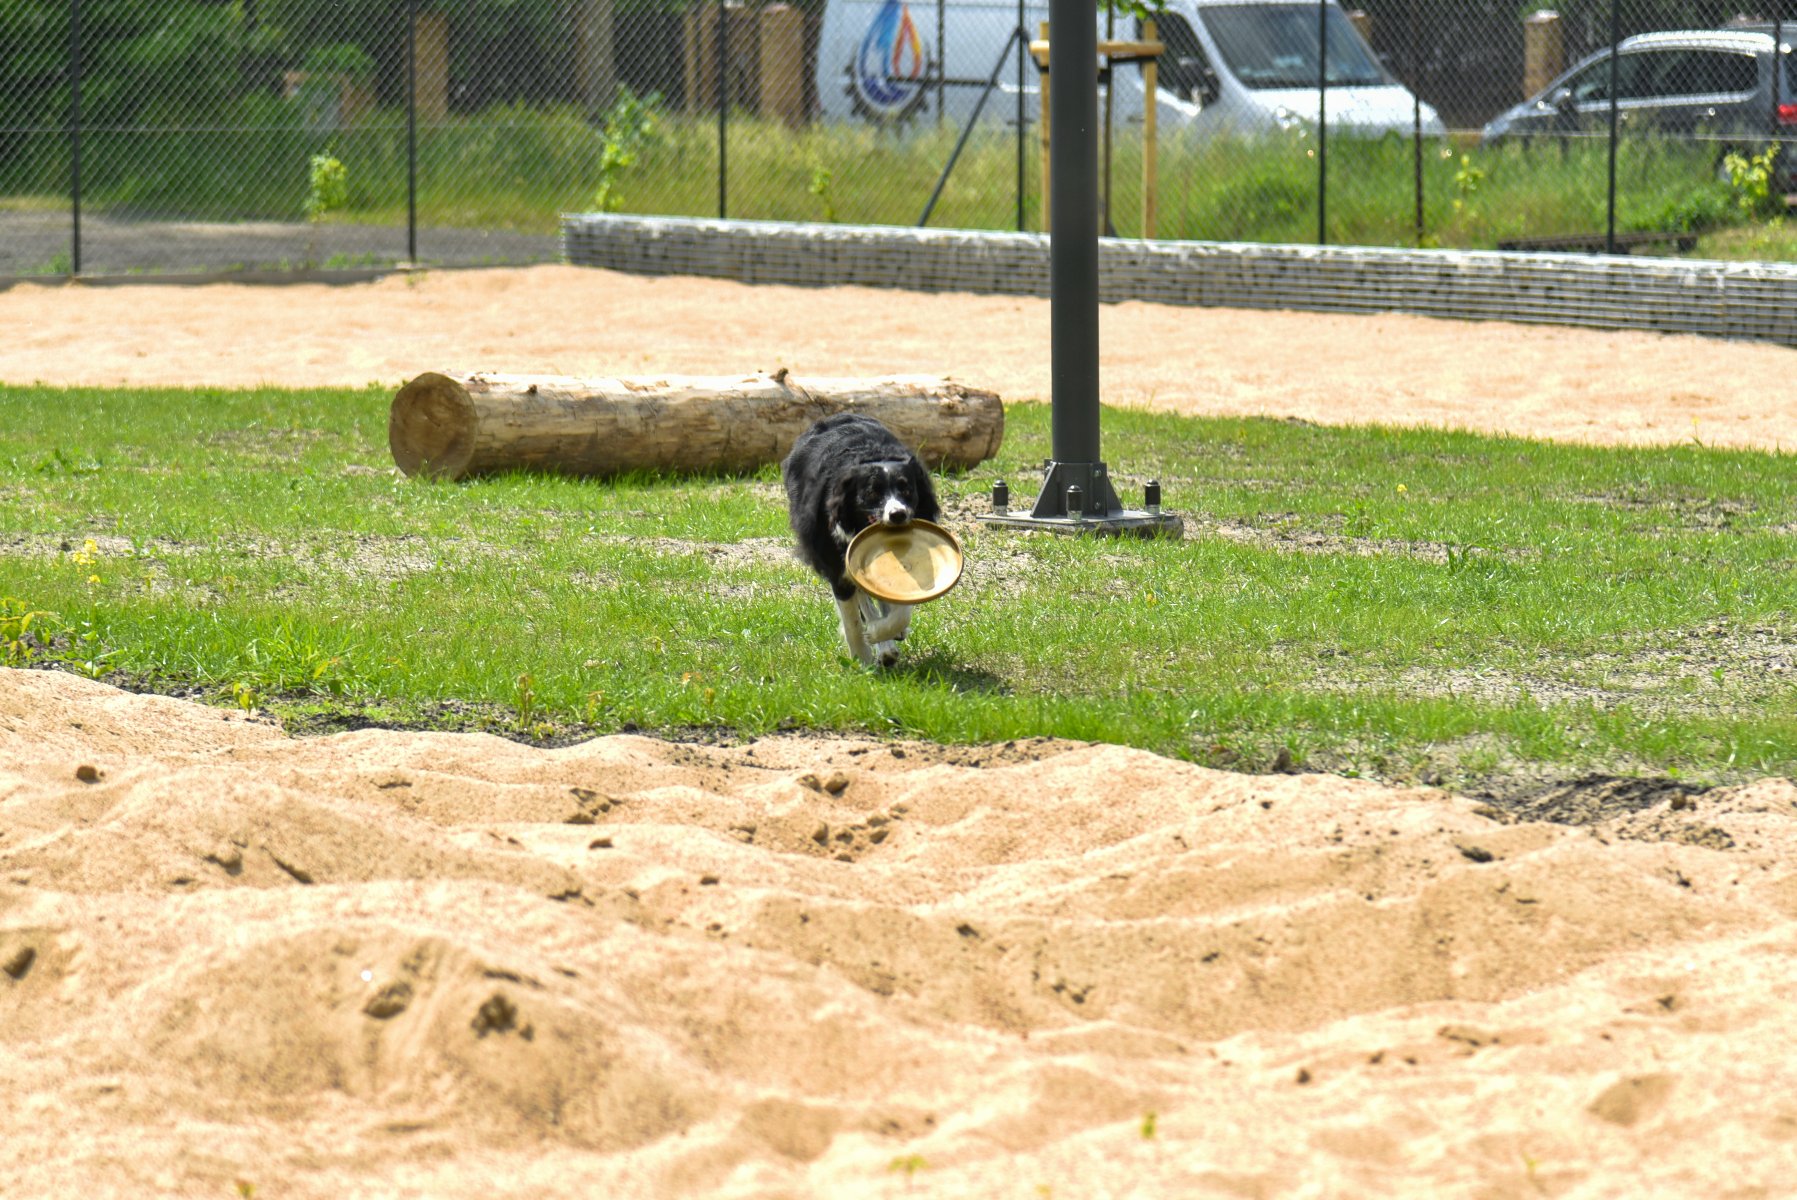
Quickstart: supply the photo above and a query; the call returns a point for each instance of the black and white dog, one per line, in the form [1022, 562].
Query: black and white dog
[845, 473]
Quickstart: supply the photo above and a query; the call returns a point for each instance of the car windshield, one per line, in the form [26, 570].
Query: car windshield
[1275, 46]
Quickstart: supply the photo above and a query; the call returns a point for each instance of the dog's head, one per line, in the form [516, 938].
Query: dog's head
[880, 493]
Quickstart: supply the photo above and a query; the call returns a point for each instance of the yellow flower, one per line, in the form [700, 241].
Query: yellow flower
[93, 579]
[1402, 489]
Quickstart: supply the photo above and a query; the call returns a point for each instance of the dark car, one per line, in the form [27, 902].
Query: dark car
[1712, 85]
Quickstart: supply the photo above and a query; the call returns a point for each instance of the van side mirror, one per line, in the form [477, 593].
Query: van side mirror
[1563, 100]
[1208, 87]
[1200, 78]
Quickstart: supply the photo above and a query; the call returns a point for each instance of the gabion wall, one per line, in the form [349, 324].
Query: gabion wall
[1755, 301]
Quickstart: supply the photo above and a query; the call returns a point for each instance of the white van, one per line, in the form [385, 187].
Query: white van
[1231, 67]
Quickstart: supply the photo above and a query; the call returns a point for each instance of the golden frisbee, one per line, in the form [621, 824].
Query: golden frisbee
[907, 565]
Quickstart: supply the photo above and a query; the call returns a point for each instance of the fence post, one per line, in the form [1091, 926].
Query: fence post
[74, 137]
[1045, 125]
[1543, 50]
[412, 131]
[1416, 118]
[1023, 49]
[1322, 122]
[1778, 41]
[722, 75]
[1151, 175]
[1615, 42]
[941, 61]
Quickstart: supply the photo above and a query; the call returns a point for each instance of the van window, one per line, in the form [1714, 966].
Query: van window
[1184, 69]
[1635, 74]
[1275, 46]
[1706, 72]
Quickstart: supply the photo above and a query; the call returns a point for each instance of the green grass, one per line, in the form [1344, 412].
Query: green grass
[1400, 604]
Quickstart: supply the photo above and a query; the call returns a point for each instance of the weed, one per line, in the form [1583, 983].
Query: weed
[907, 1165]
[524, 701]
[632, 126]
[24, 631]
[1468, 178]
[1750, 178]
[328, 186]
[58, 264]
[823, 186]
[57, 463]
[328, 191]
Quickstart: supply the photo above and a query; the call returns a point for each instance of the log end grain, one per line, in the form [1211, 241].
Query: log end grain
[431, 427]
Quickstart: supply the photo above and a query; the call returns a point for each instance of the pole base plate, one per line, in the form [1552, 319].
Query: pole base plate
[1122, 523]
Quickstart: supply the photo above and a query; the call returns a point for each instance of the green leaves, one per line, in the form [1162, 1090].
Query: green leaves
[329, 190]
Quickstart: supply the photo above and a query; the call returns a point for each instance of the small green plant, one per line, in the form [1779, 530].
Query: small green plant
[907, 1165]
[1750, 181]
[289, 660]
[23, 631]
[329, 187]
[632, 125]
[1468, 175]
[1150, 1122]
[245, 696]
[823, 182]
[524, 701]
[328, 192]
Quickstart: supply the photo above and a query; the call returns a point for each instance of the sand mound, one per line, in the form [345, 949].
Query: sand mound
[1585, 385]
[447, 965]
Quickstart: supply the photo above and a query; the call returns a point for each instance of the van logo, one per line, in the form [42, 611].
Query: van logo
[888, 71]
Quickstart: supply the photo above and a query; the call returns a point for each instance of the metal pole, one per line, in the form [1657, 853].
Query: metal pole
[979, 106]
[1023, 50]
[412, 131]
[1416, 116]
[1615, 42]
[75, 137]
[1778, 41]
[1322, 122]
[723, 86]
[1073, 240]
[941, 59]
[1077, 495]
[1110, 90]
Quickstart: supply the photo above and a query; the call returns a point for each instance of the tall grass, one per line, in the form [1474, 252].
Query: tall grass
[519, 168]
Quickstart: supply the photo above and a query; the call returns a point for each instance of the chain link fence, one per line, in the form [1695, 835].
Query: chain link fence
[157, 136]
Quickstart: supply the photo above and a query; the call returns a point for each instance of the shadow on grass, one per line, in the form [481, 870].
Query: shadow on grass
[937, 670]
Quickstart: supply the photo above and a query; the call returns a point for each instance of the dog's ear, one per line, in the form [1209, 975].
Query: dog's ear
[839, 504]
[926, 507]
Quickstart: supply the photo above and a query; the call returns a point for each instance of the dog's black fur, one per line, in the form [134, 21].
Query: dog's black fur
[845, 473]
[838, 478]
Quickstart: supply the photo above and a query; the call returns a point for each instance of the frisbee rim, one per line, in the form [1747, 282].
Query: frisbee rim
[874, 532]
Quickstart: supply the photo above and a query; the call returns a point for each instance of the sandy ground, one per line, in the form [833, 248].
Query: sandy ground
[235, 963]
[1528, 380]
[442, 965]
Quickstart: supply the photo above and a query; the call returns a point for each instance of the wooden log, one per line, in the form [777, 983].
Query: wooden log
[454, 426]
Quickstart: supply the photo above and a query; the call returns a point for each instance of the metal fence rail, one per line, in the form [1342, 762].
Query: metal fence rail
[154, 136]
